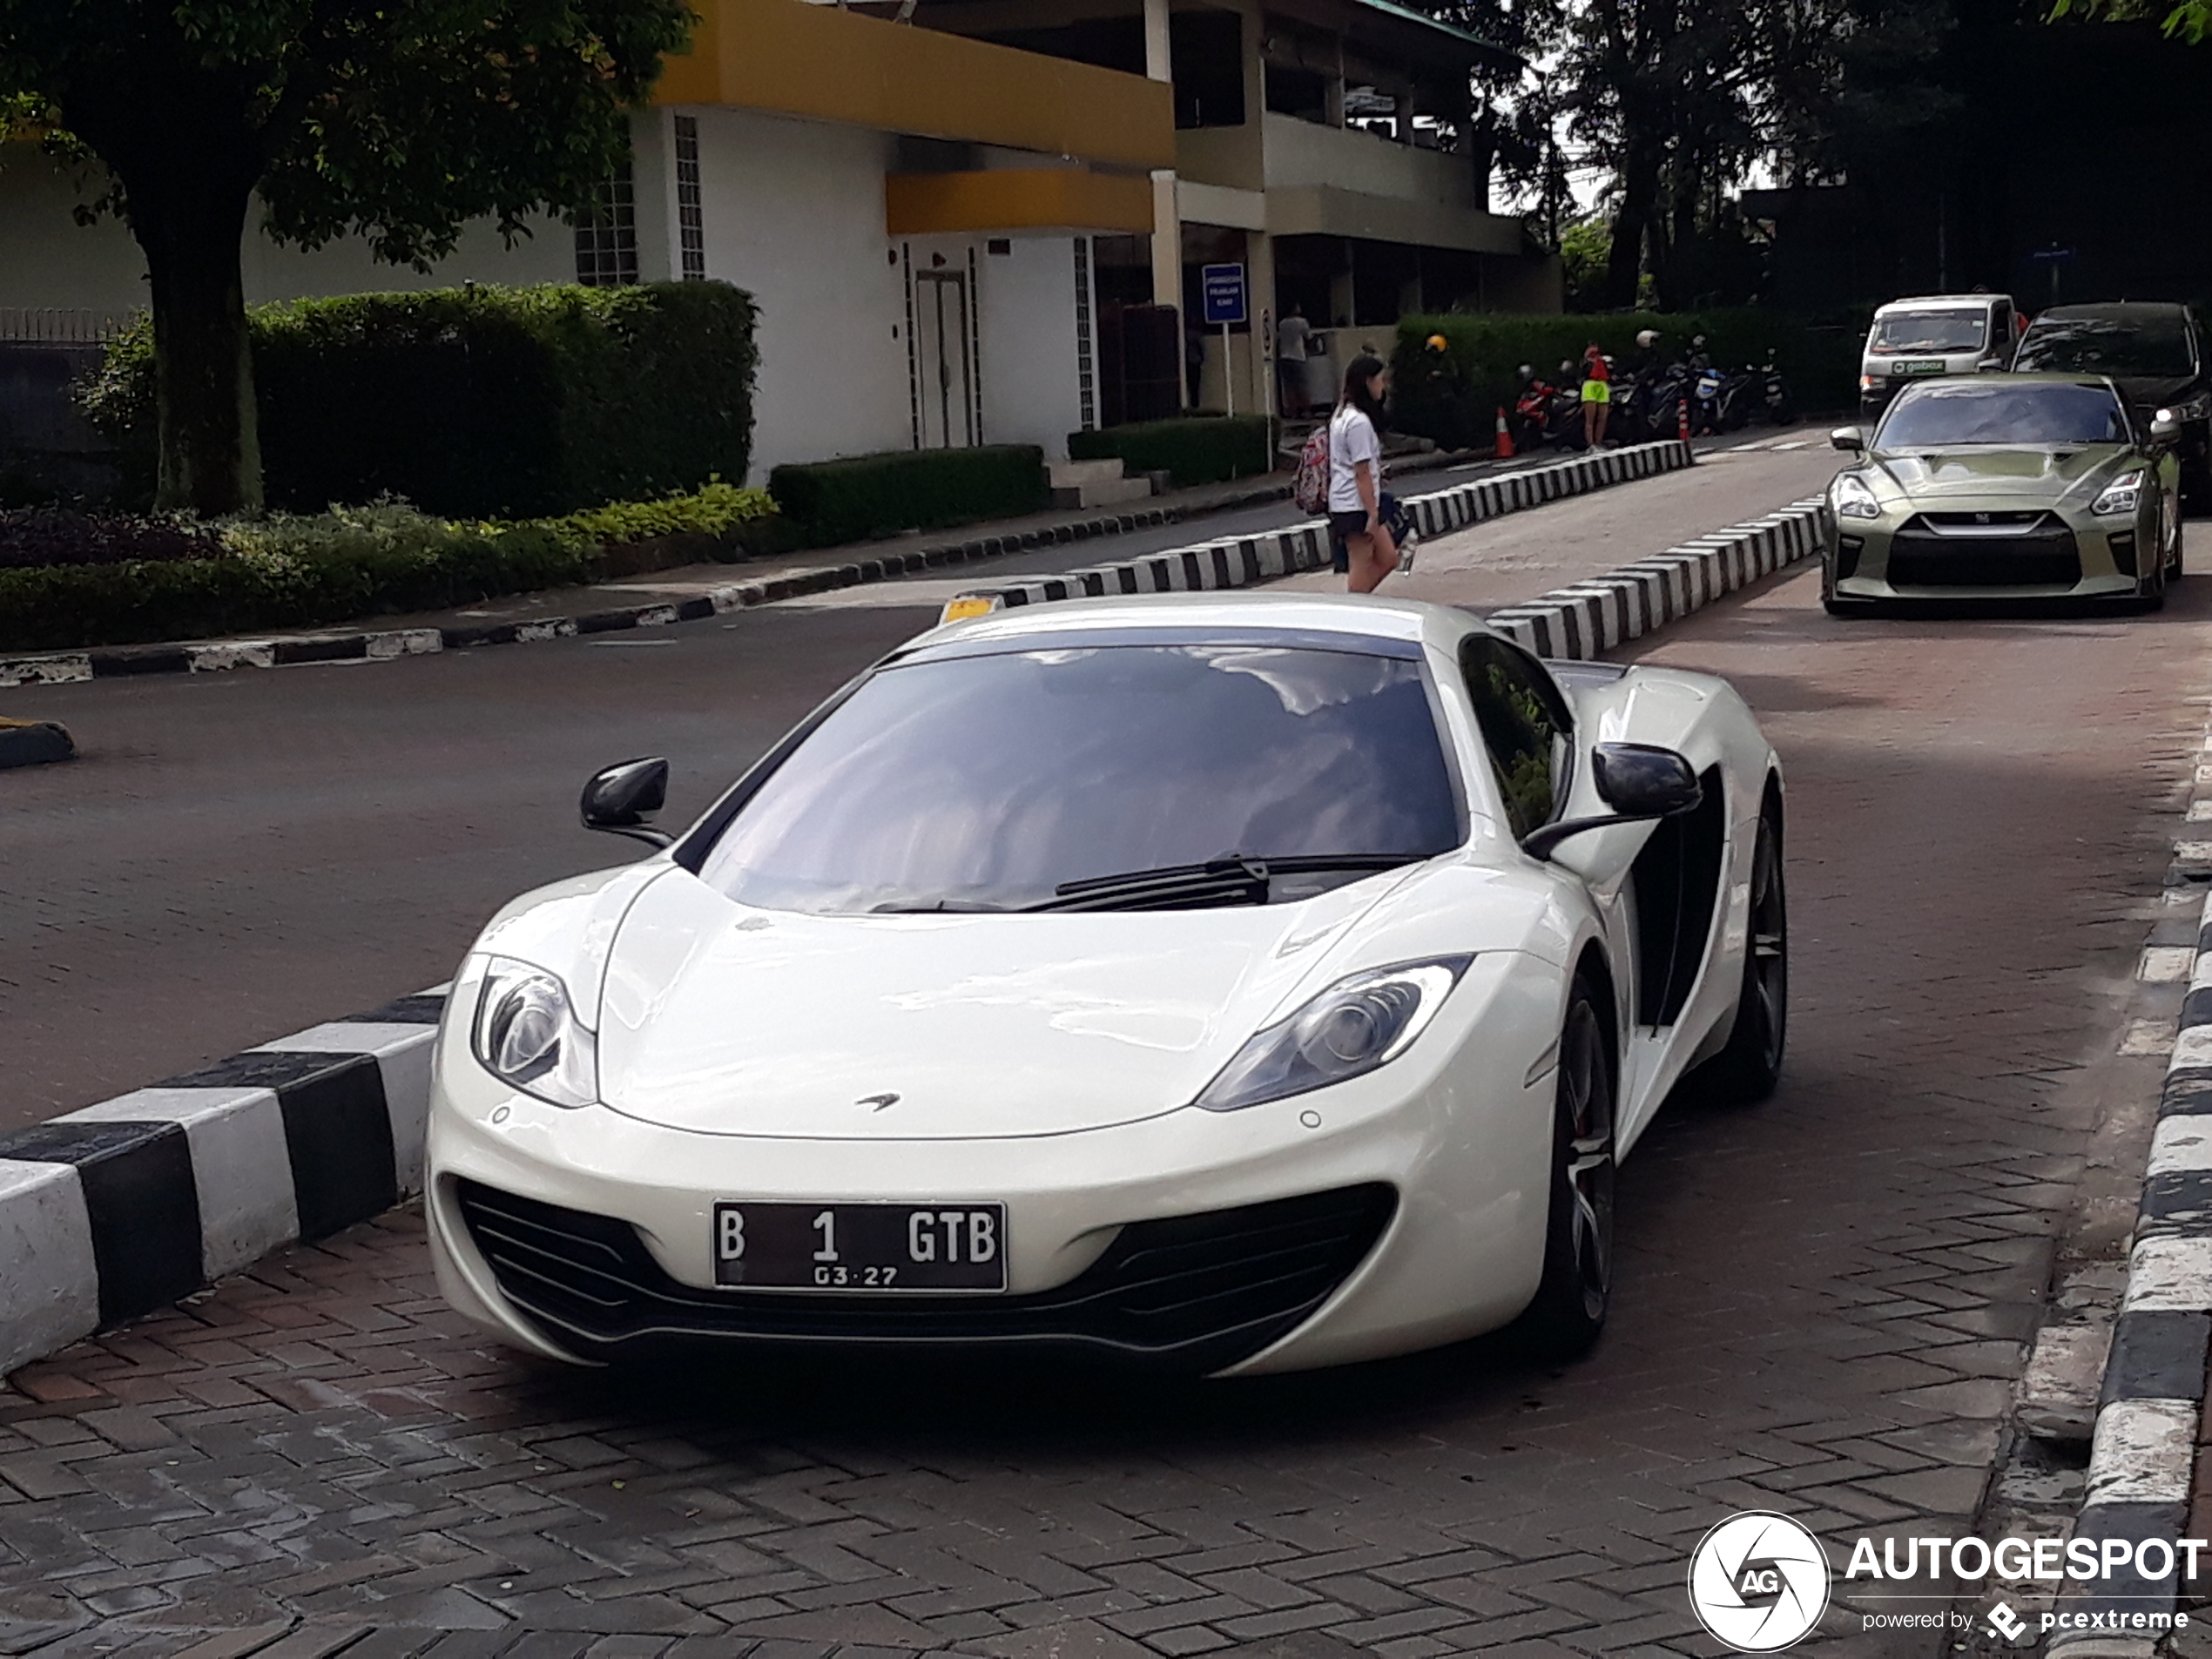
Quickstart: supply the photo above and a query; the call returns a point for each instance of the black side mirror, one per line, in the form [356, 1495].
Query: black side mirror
[1639, 780]
[620, 799]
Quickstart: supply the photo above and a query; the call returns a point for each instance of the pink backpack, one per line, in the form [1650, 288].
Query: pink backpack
[1310, 490]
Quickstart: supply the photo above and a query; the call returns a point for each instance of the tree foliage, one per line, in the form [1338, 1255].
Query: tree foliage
[2190, 20]
[398, 120]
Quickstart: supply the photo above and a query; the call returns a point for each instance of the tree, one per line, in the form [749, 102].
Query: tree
[2191, 19]
[400, 120]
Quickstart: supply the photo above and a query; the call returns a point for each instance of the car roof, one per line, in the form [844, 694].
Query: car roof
[1396, 622]
[1942, 302]
[2117, 310]
[2030, 376]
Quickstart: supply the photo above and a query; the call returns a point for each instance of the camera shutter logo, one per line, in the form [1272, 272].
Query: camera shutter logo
[1758, 1581]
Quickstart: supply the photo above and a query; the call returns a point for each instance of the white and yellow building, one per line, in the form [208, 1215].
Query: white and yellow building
[943, 207]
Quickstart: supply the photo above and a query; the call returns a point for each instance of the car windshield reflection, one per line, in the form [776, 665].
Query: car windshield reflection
[1010, 781]
[2143, 346]
[1943, 331]
[2001, 412]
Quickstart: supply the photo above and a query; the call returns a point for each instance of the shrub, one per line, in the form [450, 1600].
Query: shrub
[831, 501]
[56, 535]
[1196, 449]
[284, 572]
[476, 402]
[1456, 400]
[110, 581]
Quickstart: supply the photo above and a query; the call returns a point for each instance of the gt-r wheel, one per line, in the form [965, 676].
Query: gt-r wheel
[1749, 1068]
[1570, 1308]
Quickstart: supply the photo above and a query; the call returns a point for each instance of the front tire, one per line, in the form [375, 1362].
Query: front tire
[1746, 1071]
[1568, 1311]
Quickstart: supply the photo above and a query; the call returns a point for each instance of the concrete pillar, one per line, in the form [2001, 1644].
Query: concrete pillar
[1259, 287]
[1167, 221]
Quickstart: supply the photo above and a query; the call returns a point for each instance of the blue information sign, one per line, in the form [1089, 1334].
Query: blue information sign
[1224, 286]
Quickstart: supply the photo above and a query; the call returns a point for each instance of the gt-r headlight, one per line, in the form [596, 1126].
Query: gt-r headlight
[1351, 1028]
[1851, 498]
[526, 1034]
[2122, 494]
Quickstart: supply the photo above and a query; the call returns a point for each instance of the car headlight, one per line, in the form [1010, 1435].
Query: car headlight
[1851, 498]
[1356, 1025]
[526, 1034]
[2122, 494]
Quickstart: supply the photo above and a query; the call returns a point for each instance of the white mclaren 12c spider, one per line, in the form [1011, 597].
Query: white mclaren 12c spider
[1214, 983]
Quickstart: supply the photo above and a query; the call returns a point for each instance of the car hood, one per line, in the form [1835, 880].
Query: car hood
[717, 1018]
[2041, 473]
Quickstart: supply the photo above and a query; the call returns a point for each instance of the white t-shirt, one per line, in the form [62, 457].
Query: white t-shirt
[1290, 336]
[1352, 440]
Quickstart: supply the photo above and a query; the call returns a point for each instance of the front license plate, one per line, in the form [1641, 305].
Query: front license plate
[861, 1246]
[1933, 365]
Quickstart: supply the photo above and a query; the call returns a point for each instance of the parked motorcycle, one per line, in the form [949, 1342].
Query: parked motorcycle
[1547, 413]
[1774, 394]
[1650, 405]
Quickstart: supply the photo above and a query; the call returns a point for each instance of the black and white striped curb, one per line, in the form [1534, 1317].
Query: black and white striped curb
[1585, 618]
[110, 662]
[1246, 561]
[2142, 1455]
[124, 1207]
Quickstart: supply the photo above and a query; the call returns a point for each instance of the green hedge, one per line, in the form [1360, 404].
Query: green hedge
[477, 402]
[1196, 449]
[828, 502]
[289, 571]
[1453, 397]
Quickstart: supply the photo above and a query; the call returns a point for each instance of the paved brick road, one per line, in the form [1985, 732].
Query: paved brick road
[1821, 1303]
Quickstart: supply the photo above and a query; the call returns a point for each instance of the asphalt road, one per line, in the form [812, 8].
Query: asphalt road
[242, 855]
[1822, 1302]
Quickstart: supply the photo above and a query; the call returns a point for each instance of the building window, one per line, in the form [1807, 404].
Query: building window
[606, 243]
[1086, 368]
[691, 226]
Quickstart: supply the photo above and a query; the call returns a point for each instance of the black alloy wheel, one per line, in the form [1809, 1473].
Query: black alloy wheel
[1569, 1308]
[1747, 1070]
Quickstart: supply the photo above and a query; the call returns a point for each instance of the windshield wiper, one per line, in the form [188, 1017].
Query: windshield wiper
[1233, 878]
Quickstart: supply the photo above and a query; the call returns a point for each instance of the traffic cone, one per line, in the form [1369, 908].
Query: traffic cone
[1682, 409]
[1504, 451]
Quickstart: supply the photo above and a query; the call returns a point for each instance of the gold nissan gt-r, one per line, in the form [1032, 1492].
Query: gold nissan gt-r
[2005, 487]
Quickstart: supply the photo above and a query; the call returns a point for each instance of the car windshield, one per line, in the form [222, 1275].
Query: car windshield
[1950, 329]
[2152, 344]
[1994, 410]
[994, 782]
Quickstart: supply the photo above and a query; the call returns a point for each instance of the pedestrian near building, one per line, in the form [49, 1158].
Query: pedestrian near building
[1597, 395]
[1292, 336]
[1358, 511]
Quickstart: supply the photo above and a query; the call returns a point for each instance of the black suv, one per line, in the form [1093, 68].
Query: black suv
[2156, 355]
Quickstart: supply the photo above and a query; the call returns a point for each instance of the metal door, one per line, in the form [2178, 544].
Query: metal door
[944, 360]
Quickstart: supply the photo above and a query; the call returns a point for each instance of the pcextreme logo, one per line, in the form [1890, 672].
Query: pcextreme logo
[1758, 1581]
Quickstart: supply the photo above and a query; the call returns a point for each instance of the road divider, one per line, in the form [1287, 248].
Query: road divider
[1247, 561]
[124, 1207]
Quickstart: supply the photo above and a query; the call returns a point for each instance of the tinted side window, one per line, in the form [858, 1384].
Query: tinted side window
[1526, 728]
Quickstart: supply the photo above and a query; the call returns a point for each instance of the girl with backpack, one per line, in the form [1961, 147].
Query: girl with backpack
[1358, 511]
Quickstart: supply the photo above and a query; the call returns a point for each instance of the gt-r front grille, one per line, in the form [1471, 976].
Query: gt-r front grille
[1192, 1293]
[2011, 549]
